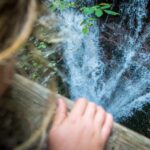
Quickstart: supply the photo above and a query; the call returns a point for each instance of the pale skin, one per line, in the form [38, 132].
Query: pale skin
[86, 127]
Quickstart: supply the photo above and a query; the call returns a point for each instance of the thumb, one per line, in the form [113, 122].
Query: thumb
[61, 113]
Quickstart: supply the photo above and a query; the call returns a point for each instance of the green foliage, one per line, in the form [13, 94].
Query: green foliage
[92, 12]
[87, 23]
[99, 10]
[41, 45]
[61, 5]
[85, 30]
[95, 11]
[110, 12]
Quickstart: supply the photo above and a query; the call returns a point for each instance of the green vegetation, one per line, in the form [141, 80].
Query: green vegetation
[31, 62]
[41, 45]
[91, 12]
[99, 10]
[61, 5]
[39, 59]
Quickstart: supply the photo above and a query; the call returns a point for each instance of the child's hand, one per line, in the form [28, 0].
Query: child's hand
[86, 127]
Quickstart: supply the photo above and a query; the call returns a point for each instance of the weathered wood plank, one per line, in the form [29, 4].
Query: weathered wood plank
[121, 138]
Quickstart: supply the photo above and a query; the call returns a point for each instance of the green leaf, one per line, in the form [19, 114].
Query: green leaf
[42, 45]
[106, 6]
[85, 30]
[82, 8]
[62, 7]
[72, 4]
[88, 10]
[110, 12]
[96, 7]
[83, 22]
[54, 8]
[90, 24]
[91, 19]
[98, 12]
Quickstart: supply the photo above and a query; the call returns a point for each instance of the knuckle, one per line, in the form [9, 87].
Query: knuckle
[92, 104]
[101, 110]
[81, 100]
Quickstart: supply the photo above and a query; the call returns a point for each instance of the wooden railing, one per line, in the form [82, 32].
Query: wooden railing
[36, 104]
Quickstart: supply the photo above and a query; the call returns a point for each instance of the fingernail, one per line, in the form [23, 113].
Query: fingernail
[111, 116]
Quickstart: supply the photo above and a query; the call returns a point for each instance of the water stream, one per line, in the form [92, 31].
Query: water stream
[122, 83]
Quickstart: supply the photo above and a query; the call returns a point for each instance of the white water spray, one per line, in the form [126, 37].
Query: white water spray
[121, 88]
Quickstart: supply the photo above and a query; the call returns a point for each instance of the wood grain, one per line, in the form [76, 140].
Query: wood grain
[38, 103]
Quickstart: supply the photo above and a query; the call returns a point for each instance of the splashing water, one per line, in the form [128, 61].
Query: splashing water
[120, 84]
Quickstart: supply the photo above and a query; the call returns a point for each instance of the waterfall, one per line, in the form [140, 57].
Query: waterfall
[83, 69]
[120, 84]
